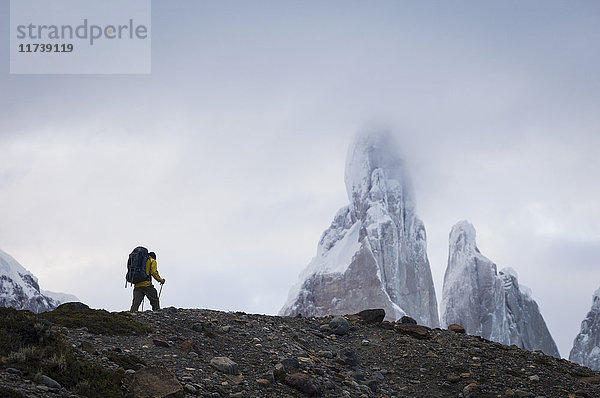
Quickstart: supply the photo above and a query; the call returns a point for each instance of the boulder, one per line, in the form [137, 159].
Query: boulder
[372, 316]
[161, 343]
[408, 320]
[153, 381]
[290, 364]
[304, 383]
[75, 306]
[456, 328]
[347, 356]
[339, 325]
[416, 331]
[49, 382]
[225, 365]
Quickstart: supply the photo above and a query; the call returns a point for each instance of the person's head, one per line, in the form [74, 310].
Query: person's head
[152, 254]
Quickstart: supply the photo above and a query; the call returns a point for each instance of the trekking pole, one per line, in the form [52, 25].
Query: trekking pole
[161, 285]
[143, 305]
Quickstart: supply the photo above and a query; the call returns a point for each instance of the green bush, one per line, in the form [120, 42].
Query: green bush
[97, 321]
[28, 343]
[126, 361]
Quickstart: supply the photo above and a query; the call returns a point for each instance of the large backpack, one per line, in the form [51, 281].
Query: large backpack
[136, 266]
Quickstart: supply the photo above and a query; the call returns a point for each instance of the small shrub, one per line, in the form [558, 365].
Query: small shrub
[98, 381]
[58, 360]
[21, 328]
[97, 321]
[29, 344]
[126, 361]
[83, 388]
[23, 354]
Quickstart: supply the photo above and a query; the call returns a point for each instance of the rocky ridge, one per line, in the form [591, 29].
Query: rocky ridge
[205, 353]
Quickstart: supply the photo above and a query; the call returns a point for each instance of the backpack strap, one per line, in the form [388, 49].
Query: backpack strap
[149, 270]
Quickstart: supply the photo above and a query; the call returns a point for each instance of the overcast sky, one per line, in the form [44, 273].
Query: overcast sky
[228, 160]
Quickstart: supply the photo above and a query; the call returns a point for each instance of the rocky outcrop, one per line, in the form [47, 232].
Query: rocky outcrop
[586, 347]
[489, 303]
[374, 254]
[19, 288]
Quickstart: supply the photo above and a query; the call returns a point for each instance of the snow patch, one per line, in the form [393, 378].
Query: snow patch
[338, 258]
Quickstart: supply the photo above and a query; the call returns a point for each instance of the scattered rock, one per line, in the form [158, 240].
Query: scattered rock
[470, 390]
[189, 346]
[290, 364]
[431, 354]
[14, 371]
[521, 393]
[372, 316]
[48, 382]
[387, 325]
[226, 328]
[225, 365]
[591, 380]
[88, 347]
[154, 381]
[416, 331]
[190, 389]
[160, 343]
[456, 328]
[209, 330]
[373, 384]
[407, 320]
[279, 372]
[325, 354]
[304, 383]
[347, 356]
[339, 325]
[197, 327]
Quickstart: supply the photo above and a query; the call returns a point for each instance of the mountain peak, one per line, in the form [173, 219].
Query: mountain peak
[586, 347]
[374, 254]
[375, 167]
[463, 236]
[488, 303]
[20, 289]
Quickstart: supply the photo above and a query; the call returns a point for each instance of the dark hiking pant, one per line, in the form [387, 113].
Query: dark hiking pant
[138, 297]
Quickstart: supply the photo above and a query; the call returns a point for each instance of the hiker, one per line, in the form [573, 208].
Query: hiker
[145, 288]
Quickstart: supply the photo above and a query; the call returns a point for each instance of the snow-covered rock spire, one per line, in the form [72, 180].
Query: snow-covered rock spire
[490, 303]
[374, 254]
[586, 347]
[19, 288]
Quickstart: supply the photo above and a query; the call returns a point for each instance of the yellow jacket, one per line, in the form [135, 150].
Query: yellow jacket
[151, 269]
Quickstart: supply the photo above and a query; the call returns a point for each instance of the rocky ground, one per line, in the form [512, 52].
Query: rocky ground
[193, 352]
